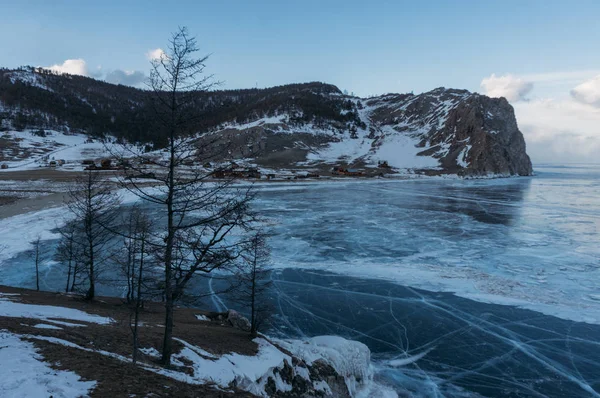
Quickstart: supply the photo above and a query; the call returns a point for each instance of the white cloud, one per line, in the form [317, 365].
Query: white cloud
[71, 66]
[117, 76]
[560, 77]
[127, 78]
[559, 130]
[588, 92]
[511, 87]
[155, 54]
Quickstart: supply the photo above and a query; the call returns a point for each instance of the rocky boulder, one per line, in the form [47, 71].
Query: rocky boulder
[238, 321]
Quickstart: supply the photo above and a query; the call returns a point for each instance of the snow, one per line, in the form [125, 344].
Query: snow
[202, 318]
[28, 77]
[347, 149]
[400, 151]
[46, 326]
[13, 309]
[151, 351]
[273, 120]
[32, 149]
[69, 324]
[24, 374]
[461, 159]
[249, 373]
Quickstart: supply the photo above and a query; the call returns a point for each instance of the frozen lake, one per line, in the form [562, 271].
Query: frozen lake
[533, 242]
[486, 287]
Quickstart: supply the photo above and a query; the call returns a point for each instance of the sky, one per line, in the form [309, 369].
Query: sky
[543, 56]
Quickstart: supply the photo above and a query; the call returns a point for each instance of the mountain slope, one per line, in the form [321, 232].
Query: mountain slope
[312, 124]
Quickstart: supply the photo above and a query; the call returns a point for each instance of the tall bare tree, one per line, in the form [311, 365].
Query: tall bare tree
[196, 231]
[93, 204]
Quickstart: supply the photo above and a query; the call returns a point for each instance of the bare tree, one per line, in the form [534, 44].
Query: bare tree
[93, 204]
[67, 253]
[127, 257]
[254, 281]
[140, 229]
[194, 232]
[36, 258]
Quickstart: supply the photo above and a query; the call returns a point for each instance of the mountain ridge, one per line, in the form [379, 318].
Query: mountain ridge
[440, 131]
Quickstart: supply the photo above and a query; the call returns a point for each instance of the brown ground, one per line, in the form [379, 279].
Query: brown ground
[41, 173]
[116, 378]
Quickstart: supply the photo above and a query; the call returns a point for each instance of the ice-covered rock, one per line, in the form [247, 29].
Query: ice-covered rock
[325, 366]
[349, 362]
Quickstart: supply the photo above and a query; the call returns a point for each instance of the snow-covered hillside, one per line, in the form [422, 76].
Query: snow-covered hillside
[440, 131]
[29, 149]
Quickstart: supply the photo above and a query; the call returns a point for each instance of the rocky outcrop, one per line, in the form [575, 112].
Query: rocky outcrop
[484, 138]
[468, 133]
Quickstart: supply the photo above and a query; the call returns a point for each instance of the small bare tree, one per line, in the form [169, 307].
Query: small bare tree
[127, 257]
[93, 205]
[66, 253]
[254, 280]
[140, 227]
[36, 258]
[198, 218]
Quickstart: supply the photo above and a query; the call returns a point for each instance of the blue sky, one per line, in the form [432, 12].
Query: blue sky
[541, 49]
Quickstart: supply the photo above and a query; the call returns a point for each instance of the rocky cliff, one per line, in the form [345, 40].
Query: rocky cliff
[299, 125]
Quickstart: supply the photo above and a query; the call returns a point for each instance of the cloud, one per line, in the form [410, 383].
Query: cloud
[588, 92]
[559, 130]
[117, 76]
[511, 87]
[127, 78]
[155, 54]
[71, 66]
[560, 77]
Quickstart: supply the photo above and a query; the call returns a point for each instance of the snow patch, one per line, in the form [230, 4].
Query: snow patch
[13, 309]
[46, 326]
[24, 374]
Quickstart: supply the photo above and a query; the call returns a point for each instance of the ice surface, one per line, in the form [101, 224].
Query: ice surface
[19, 231]
[529, 242]
[428, 344]
[24, 374]
[525, 242]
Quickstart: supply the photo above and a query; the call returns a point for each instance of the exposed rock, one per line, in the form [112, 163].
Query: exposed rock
[238, 321]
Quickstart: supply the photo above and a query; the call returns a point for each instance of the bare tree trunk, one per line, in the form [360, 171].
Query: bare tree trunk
[37, 265]
[68, 277]
[169, 299]
[36, 259]
[74, 277]
[138, 302]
